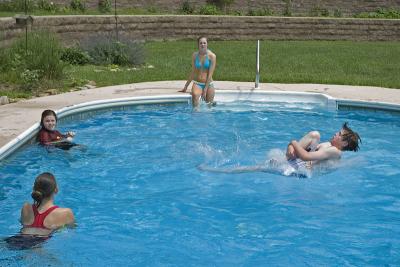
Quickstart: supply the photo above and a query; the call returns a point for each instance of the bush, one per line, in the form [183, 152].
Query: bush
[260, 12]
[104, 6]
[104, 50]
[75, 56]
[288, 8]
[317, 11]
[221, 4]
[78, 5]
[42, 55]
[209, 9]
[46, 5]
[337, 13]
[187, 8]
[17, 5]
[380, 14]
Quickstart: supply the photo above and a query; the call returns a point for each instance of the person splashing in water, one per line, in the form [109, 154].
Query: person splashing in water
[309, 150]
[203, 65]
[302, 155]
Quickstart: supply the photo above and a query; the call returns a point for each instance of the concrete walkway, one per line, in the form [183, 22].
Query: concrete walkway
[17, 117]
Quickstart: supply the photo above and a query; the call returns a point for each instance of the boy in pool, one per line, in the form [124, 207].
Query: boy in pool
[48, 135]
[309, 151]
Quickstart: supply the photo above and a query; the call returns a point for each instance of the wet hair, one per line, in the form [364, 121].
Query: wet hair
[46, 113]
[45, 185]
[351, 138]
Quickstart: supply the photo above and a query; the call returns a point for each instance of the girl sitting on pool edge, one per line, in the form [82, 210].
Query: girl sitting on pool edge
[203, 65]
[49, 136]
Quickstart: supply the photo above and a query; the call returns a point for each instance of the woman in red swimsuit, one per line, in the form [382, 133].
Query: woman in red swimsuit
[43, 217]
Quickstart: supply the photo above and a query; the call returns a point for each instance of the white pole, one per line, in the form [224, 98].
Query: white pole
[257, 66]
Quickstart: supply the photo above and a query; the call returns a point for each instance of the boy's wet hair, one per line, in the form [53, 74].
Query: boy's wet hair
[46, 113]
[351, 138]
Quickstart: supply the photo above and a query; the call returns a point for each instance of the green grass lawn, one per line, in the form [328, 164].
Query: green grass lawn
[326, 62]
[322, 62]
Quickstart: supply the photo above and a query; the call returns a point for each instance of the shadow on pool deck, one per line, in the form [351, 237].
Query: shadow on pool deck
[15, 118]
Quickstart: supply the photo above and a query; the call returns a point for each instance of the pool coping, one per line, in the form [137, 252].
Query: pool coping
[244, 93]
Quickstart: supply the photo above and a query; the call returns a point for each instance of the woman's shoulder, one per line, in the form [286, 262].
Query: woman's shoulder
[26, 213]
[211, 54]
[60, 217]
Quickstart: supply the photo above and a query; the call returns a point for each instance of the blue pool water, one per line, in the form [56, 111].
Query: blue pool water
[140, 199]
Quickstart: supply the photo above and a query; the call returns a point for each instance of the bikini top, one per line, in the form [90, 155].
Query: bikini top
[206, 64]
[39, 217]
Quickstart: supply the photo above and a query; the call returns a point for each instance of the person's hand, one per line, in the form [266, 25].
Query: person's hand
[204, 94]
[290, 152]
[70, 134]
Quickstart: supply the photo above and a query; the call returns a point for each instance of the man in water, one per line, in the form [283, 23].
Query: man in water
[308, 150]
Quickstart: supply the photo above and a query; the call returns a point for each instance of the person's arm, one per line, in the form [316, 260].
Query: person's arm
[25, 214]
[210, 73]
[307, 141]
[322, 154]
[191, 75]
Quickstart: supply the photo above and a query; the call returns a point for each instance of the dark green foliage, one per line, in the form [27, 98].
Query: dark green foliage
[209, 9]
[17, 5]
[46, 5]
[318, 11]
[105, 6]
[337, 13]
[288, 8]
[42, 55]
[78, 5]
[260, 12]
[221, 3]
[381, 14]
[75, 56]
[187, 8]
[105, 50]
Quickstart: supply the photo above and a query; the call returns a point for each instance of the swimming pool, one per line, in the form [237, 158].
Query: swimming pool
[140, 198]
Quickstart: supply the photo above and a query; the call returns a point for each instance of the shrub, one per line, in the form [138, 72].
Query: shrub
[78, 5]
[221, 4]
[337, 13]
[30, 79]
[42, 54]
[317, 11]
[17, 5]
[209, 9]
[104, 50]
[381, 14]
[288, 8]
[46, 5]
[187, 8]
[75, 56]
[260, 12]
[104, 6]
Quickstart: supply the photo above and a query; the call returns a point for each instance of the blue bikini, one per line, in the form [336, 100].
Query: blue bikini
[206, 65]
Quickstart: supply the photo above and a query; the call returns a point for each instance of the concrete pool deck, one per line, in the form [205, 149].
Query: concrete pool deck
[17, 117]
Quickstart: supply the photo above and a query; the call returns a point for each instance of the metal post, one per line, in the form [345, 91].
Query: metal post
[116, 20]
[26, 28]
[257, 86]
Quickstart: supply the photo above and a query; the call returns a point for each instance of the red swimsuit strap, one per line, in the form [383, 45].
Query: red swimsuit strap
[39, 217]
